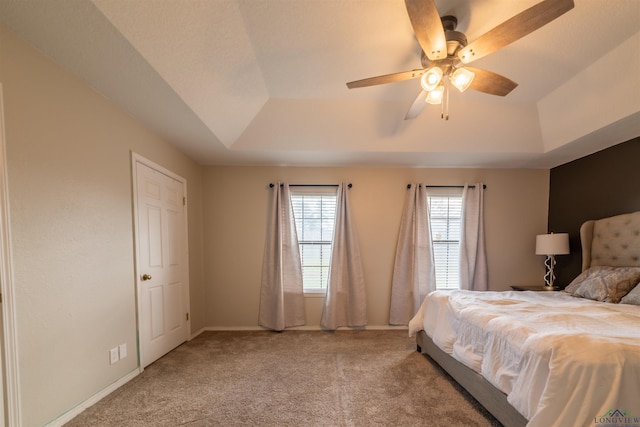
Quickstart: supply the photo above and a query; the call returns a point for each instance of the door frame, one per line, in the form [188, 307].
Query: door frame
[10, 376]
[137, 158]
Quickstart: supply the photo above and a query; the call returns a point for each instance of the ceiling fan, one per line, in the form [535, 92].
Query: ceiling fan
[445, 52]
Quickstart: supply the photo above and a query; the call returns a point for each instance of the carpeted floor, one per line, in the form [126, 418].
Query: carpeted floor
[293, 378]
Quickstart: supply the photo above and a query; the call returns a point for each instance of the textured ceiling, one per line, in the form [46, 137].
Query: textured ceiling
[263, 81]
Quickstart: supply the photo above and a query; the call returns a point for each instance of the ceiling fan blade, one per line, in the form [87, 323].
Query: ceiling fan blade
[427, 26]
[417, 106]
[491, 83]
[514, 28]
[387, 78]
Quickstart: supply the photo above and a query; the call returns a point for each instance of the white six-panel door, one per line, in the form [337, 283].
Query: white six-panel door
[161, 262]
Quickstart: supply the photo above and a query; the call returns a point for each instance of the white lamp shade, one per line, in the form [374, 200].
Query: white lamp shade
[552, 244]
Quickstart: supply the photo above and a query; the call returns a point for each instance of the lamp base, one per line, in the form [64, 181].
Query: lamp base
[550, 277]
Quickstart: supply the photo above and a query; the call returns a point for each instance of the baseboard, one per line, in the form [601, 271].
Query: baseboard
[195, 334]
[297, 328]
[72, 413]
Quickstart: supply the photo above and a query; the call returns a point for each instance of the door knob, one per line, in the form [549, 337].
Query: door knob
[146, 277]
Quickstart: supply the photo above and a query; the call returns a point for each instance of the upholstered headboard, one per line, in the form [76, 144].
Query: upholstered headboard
[613, 241]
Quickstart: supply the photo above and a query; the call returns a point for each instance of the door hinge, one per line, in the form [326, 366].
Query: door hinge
[187, 317]
[184, 201]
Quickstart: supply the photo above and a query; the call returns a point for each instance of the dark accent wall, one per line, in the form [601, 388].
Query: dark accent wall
[602, 184]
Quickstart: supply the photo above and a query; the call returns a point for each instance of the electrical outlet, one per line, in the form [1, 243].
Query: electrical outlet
[113, 355]
[123, 350]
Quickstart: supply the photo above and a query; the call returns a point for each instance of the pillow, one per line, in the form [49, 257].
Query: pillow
[588, 273]
[632, 297]
[609, 285]
[617, 290]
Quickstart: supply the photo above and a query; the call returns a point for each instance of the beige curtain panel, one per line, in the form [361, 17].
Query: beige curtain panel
[346, 301]
[281, 292]
[414, 274]
[473, 256]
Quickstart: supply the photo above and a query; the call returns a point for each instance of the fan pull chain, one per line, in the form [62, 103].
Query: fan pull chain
[444, 107]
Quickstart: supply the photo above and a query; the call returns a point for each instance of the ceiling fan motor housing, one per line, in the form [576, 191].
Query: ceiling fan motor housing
[455, 39]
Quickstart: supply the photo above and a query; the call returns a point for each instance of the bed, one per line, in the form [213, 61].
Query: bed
[569, 358]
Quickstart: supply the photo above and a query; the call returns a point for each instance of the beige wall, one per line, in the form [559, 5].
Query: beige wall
[235, 205]
[68, 151]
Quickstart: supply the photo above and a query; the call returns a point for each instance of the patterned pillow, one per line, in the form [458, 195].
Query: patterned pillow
[587, 274]
[609, 285]
[619, 289]
[632, 297]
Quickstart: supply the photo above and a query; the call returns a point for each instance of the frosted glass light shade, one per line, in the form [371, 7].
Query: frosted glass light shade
[431, 78]
[436, 95]
[462, 78]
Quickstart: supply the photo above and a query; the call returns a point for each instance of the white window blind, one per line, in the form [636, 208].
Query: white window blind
[445, 212]
[314, 210]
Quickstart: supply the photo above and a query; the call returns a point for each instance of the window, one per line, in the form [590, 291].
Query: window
[314, 210]
[445, 212]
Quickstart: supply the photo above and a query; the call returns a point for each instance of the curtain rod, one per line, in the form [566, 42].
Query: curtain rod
[311, 185]
[484, 186]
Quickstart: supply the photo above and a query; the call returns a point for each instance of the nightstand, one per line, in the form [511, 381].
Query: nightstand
[537, 288]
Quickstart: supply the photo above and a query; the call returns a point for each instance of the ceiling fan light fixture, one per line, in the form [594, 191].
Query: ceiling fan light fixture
[462, 78]
[435, 96]
[445, 51]
[431, 78]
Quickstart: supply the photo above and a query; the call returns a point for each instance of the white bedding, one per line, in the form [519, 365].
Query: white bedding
[561, 361]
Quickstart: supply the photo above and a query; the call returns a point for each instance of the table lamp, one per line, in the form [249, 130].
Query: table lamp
[551, 245]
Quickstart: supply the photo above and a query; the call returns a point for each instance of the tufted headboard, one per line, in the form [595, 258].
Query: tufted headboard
[613, 241]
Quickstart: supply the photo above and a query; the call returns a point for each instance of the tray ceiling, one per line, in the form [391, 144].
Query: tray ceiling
[263, 82]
